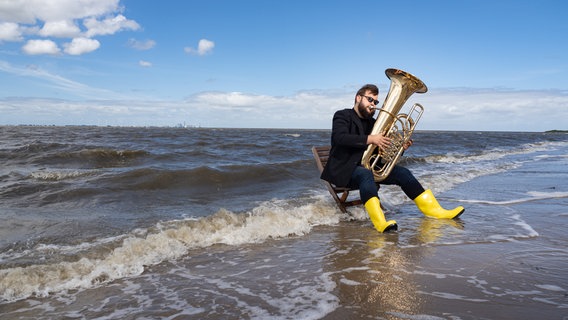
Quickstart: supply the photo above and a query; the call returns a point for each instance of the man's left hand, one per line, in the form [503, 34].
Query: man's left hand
[407, 144]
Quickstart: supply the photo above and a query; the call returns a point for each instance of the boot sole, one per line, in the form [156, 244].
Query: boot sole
[392, 227]
[459, 214]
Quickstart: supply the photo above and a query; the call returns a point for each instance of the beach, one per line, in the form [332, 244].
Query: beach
[156, 223]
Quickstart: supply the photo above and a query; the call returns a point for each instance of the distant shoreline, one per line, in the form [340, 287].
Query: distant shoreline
[556, 131]
[237, 128]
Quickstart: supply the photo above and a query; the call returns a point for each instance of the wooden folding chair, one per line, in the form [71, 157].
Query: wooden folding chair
[339, 194]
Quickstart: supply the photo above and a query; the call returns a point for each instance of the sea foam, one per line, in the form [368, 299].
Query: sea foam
[167, 241]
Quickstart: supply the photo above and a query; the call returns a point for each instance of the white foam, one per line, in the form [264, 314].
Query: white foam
[293, 135]
[550, 287]
[447, 171]
[497, 153]
[451, 296]
[45, 249]
[349, 282]
[524, 225]
[60, 174]
[533, 196]
[173, 239]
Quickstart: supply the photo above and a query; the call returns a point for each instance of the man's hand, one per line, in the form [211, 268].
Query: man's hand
[379, 140]
[407, 144]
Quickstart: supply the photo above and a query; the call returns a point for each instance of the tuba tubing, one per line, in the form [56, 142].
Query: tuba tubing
[397, 127]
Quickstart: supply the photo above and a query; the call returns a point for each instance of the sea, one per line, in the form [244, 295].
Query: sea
[213, 223]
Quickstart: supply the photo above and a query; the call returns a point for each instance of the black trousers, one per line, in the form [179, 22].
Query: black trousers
[363, 180]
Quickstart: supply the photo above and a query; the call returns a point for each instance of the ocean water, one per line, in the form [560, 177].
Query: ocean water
[194, 223]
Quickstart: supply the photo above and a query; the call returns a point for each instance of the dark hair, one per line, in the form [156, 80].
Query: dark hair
[368, 87]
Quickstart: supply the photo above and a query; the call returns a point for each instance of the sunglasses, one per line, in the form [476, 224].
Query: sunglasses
[371, 100]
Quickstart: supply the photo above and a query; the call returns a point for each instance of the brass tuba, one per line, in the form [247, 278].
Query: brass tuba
[397, 127]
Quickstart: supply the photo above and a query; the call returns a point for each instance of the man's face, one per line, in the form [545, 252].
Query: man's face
[367, 104]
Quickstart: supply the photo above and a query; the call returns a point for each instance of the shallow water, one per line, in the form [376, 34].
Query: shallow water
[134, 223]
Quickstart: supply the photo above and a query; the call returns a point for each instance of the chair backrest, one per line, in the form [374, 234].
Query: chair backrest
[321, 154]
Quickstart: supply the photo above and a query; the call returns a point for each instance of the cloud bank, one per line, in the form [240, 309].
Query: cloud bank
[445, 109]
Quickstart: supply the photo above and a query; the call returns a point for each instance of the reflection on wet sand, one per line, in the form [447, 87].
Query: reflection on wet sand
[375, 271]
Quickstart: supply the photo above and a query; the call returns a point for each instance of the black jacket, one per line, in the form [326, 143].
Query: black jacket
[348, 143]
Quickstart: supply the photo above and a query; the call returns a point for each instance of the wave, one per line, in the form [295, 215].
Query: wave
[208, 176]
[496, 153]
[443, 172]
[293, 135]
[41, 153]
[166, 241]
[38, 146]
[63, 187]
[104, 169]
[532, 196]
[97, 158]
[58, 175]
[98, 262]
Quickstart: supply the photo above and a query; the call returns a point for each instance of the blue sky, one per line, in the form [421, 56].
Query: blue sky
[489, 65]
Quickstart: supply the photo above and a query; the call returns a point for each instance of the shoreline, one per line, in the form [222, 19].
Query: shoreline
[190, 127]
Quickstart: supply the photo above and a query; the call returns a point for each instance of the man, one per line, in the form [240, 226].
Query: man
[350, 136]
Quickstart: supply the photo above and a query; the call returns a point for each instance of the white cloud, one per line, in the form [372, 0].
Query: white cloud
[80, 46]
[143, 63]
[203, 47]
[10, 31]
[109, 25]
[141, 45]
[60, 29]
[35, 47]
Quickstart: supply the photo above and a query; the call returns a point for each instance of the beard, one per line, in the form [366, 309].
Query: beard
[366, 112]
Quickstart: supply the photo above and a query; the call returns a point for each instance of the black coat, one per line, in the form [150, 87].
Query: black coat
[348, 143]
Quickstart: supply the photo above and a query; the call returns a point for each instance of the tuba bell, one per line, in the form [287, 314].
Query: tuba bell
[397, 127]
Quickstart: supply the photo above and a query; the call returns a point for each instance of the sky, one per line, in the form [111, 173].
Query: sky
[488, 65]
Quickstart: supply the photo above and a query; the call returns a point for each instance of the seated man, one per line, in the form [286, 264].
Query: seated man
[350, 136]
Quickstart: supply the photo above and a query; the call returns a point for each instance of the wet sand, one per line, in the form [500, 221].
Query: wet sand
[521, 273]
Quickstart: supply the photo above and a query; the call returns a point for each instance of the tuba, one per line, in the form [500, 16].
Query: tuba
[396, 126]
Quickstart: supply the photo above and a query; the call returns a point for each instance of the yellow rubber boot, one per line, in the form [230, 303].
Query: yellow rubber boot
[377, 216]
[430, 207]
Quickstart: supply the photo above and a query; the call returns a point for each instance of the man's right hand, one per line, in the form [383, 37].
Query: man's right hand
[379, 140]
